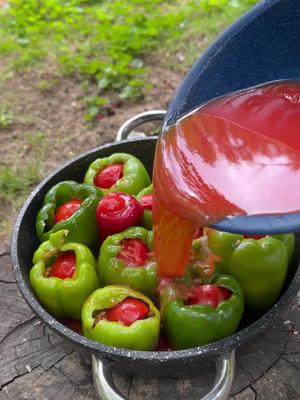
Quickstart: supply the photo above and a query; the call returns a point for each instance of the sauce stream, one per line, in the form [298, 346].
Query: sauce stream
[237, 155]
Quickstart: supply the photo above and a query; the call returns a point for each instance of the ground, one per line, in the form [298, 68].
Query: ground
[48, 125]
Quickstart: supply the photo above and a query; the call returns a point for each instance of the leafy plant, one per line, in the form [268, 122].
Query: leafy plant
[6, 118]
[93, 106]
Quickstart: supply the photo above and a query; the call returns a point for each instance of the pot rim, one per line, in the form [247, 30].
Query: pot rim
[211, 349]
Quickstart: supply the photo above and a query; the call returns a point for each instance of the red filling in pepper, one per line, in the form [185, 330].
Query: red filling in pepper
[64, 266]
[128, 311]
[147, 201]
[66, 210]
[116, 212]
[133, 252]
[72, 324]
[108, 176]
[256, 237]
[211, 295]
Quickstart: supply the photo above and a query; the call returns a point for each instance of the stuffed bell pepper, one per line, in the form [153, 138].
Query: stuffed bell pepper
[70, 206]
[63, 276]
[117, 211]
[120, 172]
[122, 317]
[200, 314]
[127, 258]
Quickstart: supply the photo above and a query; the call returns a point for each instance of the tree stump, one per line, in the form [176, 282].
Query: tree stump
[37, 364]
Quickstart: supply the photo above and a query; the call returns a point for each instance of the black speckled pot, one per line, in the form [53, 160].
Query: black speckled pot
[161, 364]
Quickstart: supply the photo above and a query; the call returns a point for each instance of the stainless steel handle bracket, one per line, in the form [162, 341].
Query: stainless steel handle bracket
[220, 389]
[139, 119]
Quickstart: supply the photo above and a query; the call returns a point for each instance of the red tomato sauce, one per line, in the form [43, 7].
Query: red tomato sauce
[237, 155]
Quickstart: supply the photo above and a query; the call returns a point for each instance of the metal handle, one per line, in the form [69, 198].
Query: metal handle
[138, 120]
[220, 390]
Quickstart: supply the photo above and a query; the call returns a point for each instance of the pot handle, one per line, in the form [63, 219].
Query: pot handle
[220, 390]
[137, 120]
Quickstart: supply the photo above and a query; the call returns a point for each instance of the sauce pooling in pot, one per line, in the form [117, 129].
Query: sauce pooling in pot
[237, 155]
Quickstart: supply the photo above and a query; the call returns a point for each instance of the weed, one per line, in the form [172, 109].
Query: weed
[18, 179]
[37, 142]
[16, 182]
[46, 85]
[25, 119]
[94, 106]
[15, 186]
[6, 117]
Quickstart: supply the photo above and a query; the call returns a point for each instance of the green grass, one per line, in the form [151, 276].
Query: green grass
[15, 182]
[6, 117]
[15, 185]
[106, 41]
[205, 20]
[17, 179]
[101, 40]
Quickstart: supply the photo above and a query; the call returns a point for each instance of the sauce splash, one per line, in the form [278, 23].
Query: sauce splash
[237, 155]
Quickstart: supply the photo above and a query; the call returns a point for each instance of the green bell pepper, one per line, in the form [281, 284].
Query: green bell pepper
[289, 240]
[147, 221]
[114, 271]
[63, 297]
[194, 325]
[140, 335]
[135, 176]
[260, 266]
[81, 226]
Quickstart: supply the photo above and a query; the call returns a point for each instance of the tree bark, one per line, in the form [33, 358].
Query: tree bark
[37, 364]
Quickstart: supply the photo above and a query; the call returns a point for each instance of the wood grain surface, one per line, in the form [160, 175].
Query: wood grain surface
[36, 364]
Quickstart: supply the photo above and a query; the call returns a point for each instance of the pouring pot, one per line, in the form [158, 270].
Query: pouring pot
[106, 359]
[262, 46]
